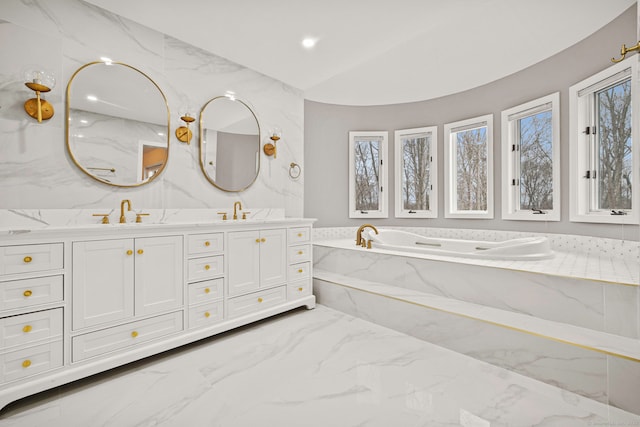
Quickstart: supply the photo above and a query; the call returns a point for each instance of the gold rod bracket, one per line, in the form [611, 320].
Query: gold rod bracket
[624, 50]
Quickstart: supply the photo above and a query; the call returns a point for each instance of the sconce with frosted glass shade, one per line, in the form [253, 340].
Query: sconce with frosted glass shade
[183, 133]
[39, 81]
[270, 148]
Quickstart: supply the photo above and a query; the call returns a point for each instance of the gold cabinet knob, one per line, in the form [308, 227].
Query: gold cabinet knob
[260, 299]
[257, 240]
[26, 363]
[300, 252]
[27, 293]
[263, 240]
[299, 234]
[300, 289]
[27, 259]
[300, 270]
[207, 267]
[207, 314]
[134, 334]
[207, 290]
[140, 251]
[207, 243]
[27, 328]
[129, 252]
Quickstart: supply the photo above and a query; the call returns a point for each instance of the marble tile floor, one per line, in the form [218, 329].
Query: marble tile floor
[311, 368]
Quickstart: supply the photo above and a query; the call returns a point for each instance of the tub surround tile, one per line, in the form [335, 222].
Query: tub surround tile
[319, 366]
[624, 383]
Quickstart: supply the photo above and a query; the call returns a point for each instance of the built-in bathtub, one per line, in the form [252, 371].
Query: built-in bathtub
[525, 248]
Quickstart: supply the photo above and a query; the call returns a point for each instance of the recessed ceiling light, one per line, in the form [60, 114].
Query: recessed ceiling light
[309, 42]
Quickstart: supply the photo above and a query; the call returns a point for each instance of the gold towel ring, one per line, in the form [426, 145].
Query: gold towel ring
[294, 170]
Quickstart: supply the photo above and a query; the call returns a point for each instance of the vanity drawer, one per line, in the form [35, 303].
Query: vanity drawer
[205, 268]
[30, 361]
[206, 291]
[299, 235]
[299, 253]
[206, 314]
[299, 289]
[30, 258]
[30, 292]
[30, 328]
[299, 271]
[251, 303]
[123, 336]
[201, 244]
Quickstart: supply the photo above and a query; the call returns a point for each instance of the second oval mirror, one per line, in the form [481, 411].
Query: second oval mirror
[229, 144]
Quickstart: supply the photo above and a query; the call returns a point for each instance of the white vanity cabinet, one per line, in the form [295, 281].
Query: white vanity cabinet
[76, 302]
[118, 279]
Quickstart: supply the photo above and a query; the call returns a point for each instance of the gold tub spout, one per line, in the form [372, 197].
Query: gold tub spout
[123, 219]
[359, 240]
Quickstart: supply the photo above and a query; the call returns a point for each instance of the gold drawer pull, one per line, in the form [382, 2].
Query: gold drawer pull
[129, 252]
[300, 270]
[207, 267]
[207, 290]
[27, 329]
[27, 259]
[26, 363]
[207, 243]
[300, 252]
[27, 293]
[207, 314]
[300, 289]
[134, 334]
[299, 234]
[263, 240]
[140, 251]
[260, 300]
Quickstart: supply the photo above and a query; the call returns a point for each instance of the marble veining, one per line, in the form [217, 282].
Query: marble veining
[312, 368]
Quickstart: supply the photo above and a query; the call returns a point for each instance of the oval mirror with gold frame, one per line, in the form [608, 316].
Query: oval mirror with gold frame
[117, 122]
[229, 144]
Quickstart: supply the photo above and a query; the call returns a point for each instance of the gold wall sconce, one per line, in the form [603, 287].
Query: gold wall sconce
[624, 50]
[40, 82]
[183, 133]
[270, 147]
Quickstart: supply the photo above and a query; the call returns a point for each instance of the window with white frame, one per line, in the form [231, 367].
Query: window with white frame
[469, 163]
[416, 172]
[367, 174]
[531, 160]
[604, 149]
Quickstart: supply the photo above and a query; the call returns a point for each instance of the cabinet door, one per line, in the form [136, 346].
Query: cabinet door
[273, 262]
[102, 281]
[158, 274]
[243, 262]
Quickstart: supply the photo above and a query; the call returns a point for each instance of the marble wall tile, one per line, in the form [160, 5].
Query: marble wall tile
[62, 35]
[624, 384]
[621, 309]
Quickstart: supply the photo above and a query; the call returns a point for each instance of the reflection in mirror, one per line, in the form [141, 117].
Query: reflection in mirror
[117, 124]
[229, 143]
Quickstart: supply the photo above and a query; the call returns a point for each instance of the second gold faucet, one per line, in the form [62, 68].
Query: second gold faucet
[123, 219]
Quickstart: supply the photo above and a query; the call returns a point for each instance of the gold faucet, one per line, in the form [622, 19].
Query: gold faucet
[122, 217]
[359, 240]
[235, 212]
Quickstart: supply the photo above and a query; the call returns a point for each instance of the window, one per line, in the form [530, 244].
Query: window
[416, 172]
[604, 155]
[367, 174]
[469, 159]
[531, 159]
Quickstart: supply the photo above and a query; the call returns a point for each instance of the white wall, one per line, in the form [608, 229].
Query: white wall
[62, 35]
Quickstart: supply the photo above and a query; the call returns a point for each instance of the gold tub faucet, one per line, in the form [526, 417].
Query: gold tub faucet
[359, 240]
[237, 205]
[123, 219]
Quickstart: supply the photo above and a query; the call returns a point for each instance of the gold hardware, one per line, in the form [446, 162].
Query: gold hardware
[207, 267]
[183, 133]
[270, 148]
[300, 270]
[300, 252]
[257, 240]
[39, 81]
[207, 243]
[207, 290]
[139, 217]
[359, 240]
[300, 289]
[26, 363]
[207, 314]
[263, 240]
[260, 300]
[105, 218]
[140, 251]
[224, 215]
[244, 214]
[368, 244]
[122, 217]
[294, 170]
[624, 50]
[129, 252]
[27, 259]
[27, 293]
[235, 212]
[134, 334]
[299, 234]
[27, 329]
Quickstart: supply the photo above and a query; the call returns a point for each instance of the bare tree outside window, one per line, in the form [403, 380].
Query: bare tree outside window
[471, 169]
[367, 176]
[613, 134]
[536, 161]
[416, 171]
